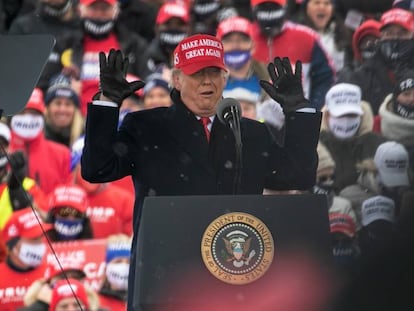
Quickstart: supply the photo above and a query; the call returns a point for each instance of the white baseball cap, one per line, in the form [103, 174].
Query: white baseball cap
[377, 208]
[391, 160]
[344, 98]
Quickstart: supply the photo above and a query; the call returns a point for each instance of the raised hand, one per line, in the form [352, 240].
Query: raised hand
[286, 87]
[113, 83]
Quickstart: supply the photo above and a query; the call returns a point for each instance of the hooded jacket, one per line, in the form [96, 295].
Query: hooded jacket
[48, 161]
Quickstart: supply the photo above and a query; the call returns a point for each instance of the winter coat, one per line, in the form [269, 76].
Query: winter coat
[395, 127]
[347, 154]
[166, 152]
[375, 80]
[48, 161]
[318, 74]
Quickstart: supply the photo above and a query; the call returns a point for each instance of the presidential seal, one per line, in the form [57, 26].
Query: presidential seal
[237, 248]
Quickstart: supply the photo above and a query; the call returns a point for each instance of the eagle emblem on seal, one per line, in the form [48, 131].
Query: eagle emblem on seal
[237, 245]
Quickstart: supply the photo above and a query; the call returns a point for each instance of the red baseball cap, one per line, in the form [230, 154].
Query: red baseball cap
[89, 2]
[24, 223]
[256, 2]
[36, 101]
[68, 195]
[170, 10]
[198, 52]
[400, 17]
[342, 223]
[234, 24]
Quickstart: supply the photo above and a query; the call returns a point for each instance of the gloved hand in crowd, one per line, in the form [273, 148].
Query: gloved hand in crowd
[113, 83]
[286, 87]
[19, 198]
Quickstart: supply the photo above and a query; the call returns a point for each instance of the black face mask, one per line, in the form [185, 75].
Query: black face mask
[404, 111]
[205, 9]
[326, 189]
[397, 51]
[169, 39]
[98, 29]
[368, 53]
[55, 10]
[270, 17]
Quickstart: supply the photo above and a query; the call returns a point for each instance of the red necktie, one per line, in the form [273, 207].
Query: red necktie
[206, 121]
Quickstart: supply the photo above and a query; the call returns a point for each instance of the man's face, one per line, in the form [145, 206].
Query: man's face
[201, 91]
[407, 97]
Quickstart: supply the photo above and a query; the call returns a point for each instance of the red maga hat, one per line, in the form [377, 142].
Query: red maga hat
[198, 52]
[234, 24]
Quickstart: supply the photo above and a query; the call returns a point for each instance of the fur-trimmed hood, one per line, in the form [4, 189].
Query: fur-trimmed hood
[393, 126]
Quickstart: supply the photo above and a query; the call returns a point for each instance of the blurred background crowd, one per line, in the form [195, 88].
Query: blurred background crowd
[358, 69]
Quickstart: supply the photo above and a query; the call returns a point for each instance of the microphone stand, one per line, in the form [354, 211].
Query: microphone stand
[235, 127]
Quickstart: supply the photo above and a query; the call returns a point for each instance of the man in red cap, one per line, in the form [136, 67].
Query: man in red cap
[185, 149]
[376, 77]
[78, 54]
[171, 26]
[67, 211]
[48, 162]
[25, 262]
[69, 294]
[238, 45]
[275, 36]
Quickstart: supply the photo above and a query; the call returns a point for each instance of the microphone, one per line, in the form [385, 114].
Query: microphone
[228, 110]
[229, 113]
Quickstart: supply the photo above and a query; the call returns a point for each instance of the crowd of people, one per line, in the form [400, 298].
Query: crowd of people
[355, 64]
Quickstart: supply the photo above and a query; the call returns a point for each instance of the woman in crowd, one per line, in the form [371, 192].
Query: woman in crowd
[335, 37]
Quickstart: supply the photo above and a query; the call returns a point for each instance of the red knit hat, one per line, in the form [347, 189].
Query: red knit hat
[36, 101]
[198, 52]
[256, 2]
[69, 288]
[369, 27]
[68, 195]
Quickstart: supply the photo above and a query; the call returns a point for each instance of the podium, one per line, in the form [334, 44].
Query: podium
[198, 252]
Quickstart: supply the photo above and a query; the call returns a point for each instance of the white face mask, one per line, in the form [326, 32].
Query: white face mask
[117, 275]
[27, 126]
[32, 254]
[344, 127]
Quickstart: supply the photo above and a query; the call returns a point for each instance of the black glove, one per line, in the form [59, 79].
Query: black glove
[18, 165]
[19, 198]
[113, 83]
[286, 88]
